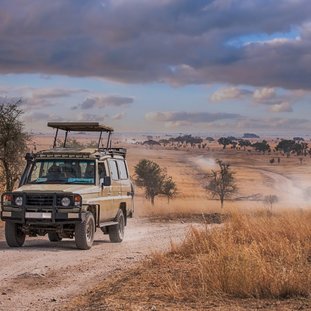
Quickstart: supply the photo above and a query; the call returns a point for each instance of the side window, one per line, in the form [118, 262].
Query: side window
[122, 169]
[113, 170]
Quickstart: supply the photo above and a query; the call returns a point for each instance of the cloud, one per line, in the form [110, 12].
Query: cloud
[187, 118]
[105, 101]
[51, 93]
[264, 94]
[177, 42]
[118, 116]
[278, 102]
[10, 100]
[229, 122]
[281, 107]
[41, 117]
[37, 98]
[229, 93]
[90, 117]
[274, 124]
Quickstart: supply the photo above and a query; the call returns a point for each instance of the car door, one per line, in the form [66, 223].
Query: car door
[115, 187]
[126, 185]
[105, 192]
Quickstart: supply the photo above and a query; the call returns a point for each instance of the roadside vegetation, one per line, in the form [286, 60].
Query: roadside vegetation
[13, 144]
[260, 256]
[251, 258]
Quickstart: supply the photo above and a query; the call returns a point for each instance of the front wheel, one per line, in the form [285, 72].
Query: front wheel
[116, 232]
[14, 235]
[85, 231]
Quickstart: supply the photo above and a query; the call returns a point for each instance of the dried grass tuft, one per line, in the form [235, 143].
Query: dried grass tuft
[259, 255]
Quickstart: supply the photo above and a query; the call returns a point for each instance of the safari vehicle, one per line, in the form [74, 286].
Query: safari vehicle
[70, 192]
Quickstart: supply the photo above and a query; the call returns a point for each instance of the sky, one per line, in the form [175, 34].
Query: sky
[169, 66]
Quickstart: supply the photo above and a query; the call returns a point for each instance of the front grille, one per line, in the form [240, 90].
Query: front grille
[39, 200]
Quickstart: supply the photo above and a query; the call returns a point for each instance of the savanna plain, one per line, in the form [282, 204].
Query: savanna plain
[185, 254]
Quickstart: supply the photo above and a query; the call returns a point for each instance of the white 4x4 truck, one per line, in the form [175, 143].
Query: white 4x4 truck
[69, 192]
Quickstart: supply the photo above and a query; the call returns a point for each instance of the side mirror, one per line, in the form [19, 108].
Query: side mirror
[105, 182]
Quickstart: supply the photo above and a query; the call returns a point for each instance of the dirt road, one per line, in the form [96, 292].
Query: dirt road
[44, 275]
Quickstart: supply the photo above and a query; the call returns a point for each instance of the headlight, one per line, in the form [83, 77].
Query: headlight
[18, 201]
[65, 201]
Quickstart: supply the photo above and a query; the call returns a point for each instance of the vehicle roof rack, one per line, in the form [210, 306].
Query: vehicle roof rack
[84, 153]
[81, 127]
[113, 151]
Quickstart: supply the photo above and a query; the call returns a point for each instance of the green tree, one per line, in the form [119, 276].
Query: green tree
[153, 179]
[13, 144]
[150, 176]
[222, 183]
[225, 141]
[262, 146]
[169, 188]
[243, 143]
[285, 145]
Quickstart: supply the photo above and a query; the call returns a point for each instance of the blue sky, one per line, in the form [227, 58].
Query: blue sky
[212, 66]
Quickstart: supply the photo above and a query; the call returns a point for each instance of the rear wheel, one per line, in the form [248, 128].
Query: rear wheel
[54, 237]
[116, 232]
[84, 232]
[14, 235]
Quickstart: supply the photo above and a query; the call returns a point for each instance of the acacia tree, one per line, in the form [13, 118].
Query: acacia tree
[262, 146]
[169, 188]
[244, 143]
[269, 200]
[154, 180]
[225, 141]
[222, 183]
[13, 144]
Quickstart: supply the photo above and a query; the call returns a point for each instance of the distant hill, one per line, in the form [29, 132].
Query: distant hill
[250, 135]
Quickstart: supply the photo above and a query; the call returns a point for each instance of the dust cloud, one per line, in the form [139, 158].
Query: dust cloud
[292, 192]
[205, 164]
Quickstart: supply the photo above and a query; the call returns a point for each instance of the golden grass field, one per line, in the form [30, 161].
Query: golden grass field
[252, 262]
[257, 259]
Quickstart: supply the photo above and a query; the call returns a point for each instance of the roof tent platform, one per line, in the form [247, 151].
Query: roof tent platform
[81, 127]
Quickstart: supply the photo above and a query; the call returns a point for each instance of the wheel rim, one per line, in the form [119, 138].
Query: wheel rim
[89, 231]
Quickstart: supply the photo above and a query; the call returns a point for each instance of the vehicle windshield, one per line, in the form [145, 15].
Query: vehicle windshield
[62, 171]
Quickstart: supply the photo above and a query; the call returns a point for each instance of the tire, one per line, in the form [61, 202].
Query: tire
[14, 236]
[116, 232]
[84, 232]
[54, 237]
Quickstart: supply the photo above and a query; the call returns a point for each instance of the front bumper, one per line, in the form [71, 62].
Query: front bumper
[38, 214]
[24, 216]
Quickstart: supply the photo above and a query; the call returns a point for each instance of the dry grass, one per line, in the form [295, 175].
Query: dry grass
[259, 256]
[253, 261]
